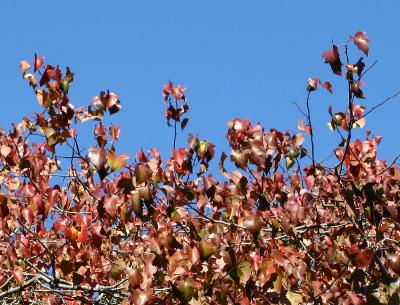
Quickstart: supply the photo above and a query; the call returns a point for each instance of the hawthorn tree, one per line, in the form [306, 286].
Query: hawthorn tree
[90, 227]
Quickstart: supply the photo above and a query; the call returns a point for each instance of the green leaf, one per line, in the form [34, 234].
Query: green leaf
[186, 288]
[243, 271]
[278, 284]
[206, 249]
[117, 268]
[289, 162]
[142, 173]
[294, 298]
[117, 162]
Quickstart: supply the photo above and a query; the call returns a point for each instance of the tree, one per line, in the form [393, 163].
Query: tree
[90, 227]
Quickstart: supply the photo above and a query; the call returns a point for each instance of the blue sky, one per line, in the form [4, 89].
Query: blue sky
[248, 59]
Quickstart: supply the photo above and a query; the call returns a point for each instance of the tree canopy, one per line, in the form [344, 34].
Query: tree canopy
[275, 225]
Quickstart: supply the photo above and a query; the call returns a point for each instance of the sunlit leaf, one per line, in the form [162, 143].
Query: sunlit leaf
[24, 66]
[116, 162]
[333, 59]
[38, 62]
[362, 42]
[312, 84]
[294, 298]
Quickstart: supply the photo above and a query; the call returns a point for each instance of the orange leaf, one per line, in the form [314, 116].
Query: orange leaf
[328, 86]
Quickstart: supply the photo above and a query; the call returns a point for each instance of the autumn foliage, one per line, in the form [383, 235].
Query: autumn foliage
[97, 226]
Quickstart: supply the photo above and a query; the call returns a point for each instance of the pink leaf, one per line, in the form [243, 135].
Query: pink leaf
[24, 66]
[179, 156]
[38, 62]
[18, 275]
[312, 84]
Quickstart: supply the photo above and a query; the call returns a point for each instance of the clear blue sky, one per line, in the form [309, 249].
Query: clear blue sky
[237, 59]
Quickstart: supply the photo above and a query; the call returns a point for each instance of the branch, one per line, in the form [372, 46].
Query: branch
[311, 129]
[382, 103]
[19, 288]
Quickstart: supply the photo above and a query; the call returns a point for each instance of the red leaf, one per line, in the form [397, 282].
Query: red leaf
[356, 89]
[134, 278]
[142, 156]
[394, 263]
[245, 301]
[328, 86]
[364, 257]
[111, 204]
[332, 57]
[18, 275]
[71, 233]
[113, 104]
[50, 73]
[52, 196]
[60, 225]
[38, 62]
[28, 215]
[240, 158]
[82, 235]
[362, 42]
[97, 230]
[179, 156]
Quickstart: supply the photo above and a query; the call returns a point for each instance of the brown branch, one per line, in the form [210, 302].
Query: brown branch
[381, 103]
[19, 288]
[311, 129]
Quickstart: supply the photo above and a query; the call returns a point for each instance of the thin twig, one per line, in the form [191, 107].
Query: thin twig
[381, 103]
[311, 129]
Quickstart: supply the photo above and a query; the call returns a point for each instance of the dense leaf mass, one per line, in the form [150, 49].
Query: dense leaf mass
[96, 226]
